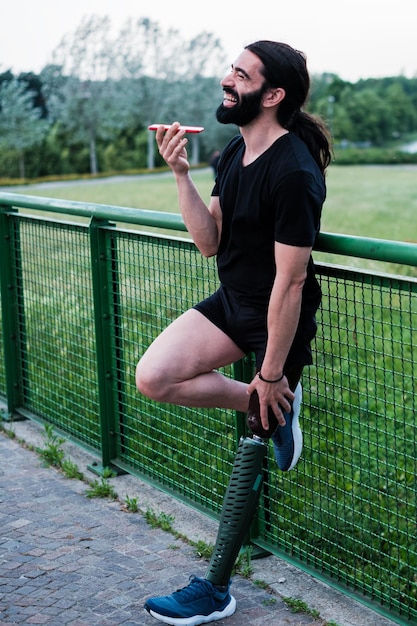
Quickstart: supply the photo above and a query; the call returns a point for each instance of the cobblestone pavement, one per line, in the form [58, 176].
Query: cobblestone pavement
[69, 559]
[66, 559]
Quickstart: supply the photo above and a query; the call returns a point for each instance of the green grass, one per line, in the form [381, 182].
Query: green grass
[370, 201]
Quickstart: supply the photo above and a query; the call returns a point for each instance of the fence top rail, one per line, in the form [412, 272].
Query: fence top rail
[403, 253]
[141, 217]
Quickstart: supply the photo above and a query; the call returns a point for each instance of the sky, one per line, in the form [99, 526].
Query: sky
[353, 39]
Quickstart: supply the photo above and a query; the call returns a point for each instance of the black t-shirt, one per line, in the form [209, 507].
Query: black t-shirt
[278, 197]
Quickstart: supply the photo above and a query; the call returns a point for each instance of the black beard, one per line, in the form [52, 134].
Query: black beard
[244, 111]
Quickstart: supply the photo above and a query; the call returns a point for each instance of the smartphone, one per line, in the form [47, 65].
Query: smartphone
[188, 129]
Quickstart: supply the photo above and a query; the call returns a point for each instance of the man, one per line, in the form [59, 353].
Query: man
[261, 223]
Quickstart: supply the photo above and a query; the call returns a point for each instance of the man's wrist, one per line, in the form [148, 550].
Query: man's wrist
[269, 380]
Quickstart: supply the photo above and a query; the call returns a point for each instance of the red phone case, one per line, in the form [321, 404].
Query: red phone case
[188, 129]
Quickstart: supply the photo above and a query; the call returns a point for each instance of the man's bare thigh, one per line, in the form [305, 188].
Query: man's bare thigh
[191, 345]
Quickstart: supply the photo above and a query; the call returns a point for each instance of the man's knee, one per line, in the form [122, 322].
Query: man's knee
[146, 381]
[151, 382]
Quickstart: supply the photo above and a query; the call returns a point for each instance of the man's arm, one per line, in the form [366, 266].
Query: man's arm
[202, 222]
[283, 317]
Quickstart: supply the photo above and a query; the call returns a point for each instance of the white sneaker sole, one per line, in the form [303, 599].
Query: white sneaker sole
[296, 430]
[195, 620]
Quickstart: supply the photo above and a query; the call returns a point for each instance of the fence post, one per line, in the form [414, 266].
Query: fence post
[103, 264]
[12, 310]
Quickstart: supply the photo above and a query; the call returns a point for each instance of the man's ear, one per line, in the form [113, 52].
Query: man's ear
[274, 96]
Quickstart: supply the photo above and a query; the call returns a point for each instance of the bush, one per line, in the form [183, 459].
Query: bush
[372, 156]
[9, 163]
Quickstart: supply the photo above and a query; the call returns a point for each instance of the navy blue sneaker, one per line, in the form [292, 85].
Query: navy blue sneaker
[198, 603]
[288, 439]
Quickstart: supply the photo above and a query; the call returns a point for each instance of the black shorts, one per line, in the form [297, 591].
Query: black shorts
[247, 327]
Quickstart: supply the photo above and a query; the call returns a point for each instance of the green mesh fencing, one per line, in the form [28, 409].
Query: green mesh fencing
[54, 312]
[82, 302]
[349, 507]
[157, 280]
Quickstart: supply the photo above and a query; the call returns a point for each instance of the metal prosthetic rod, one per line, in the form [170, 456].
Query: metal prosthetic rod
[239, 506]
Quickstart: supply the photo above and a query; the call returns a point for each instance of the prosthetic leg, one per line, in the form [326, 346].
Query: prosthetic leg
[208, 599]
[240, 501]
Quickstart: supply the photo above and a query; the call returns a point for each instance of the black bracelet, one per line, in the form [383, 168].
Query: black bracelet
[265, 380]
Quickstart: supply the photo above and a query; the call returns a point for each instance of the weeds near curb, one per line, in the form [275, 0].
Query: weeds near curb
[131, 504]
[71, 470]
[243, 565]
[204, 550]
[261, 584]
[101, 489]
[7, 431]
[298, 606]
[161, 520]
[52, 454]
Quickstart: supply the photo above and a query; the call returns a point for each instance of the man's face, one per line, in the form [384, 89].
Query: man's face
[243, 89]
[246, 108]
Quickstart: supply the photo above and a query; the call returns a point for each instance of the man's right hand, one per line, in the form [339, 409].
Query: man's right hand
[171, 144]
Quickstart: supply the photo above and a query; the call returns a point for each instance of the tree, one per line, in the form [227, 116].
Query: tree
[403, 113]
[88, 52]
[168, 76]
[90, 111]
[21, 126]
[370, 116]
[89, 104]
[137, 76]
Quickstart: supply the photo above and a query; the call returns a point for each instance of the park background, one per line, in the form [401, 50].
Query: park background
[86, 111]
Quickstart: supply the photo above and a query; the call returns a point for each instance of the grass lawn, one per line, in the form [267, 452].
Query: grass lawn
[368, 201]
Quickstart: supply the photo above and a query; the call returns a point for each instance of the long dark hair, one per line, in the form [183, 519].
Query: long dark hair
[285, 67]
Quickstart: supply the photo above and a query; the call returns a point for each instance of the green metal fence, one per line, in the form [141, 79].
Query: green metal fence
[83, 298]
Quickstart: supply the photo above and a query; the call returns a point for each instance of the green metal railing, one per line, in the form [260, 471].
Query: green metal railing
[82, 297]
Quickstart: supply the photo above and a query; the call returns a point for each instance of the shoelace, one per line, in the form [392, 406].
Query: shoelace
[197, 587]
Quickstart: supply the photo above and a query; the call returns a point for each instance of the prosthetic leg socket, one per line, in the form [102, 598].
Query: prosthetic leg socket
[239, 507]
